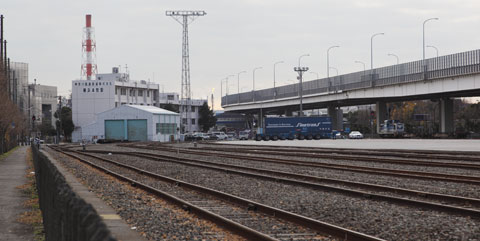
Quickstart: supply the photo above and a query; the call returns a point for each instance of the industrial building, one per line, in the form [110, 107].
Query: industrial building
[173, 99]
[132, 123]
[43, 101]
[107, 91]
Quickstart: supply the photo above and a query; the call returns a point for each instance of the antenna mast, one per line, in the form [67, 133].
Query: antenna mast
[185, 18]
[89, 67]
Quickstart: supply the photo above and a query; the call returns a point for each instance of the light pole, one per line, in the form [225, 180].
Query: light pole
[253, 89]
[371, 49]
[221, 90]
[300, 58]
[431, 46]
[328, 59]
[360, 62]
[226, 88]
[315, 73]
[336, 70]
[398, 61]
[274, 72]
[238, 84]
[424, 22]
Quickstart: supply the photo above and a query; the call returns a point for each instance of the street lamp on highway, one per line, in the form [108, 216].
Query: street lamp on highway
[394, 55]
[274, 72]
[362, 63]
[371, 48]
[424, 22]
[431, 46]
[226, 90]
[253, 89]
[328, 59]
[336, 70]
[300, 58]
[238, 84]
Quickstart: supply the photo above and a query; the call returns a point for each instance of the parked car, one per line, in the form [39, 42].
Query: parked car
[243, 135]
[220, 135]
[355, 135]
[201, 136]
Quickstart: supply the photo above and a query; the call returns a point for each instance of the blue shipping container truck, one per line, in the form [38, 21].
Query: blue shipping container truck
[295, 128]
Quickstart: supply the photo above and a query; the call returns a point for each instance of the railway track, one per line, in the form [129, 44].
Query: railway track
[370, 170]
[408, 153]
[314, 182]
[350, 158]
[221, 207]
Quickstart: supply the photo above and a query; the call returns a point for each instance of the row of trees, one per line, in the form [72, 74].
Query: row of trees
[12, 121]
[421, 118]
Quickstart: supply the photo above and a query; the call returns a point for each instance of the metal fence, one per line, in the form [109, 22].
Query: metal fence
[440, 67]
[66, 216]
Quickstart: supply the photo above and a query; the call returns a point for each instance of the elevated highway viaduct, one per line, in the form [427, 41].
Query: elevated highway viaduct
[441, 78]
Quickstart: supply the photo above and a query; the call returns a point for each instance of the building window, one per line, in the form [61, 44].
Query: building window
[93, 89]
[193, 121]
[101, 89]
[166, 128]
[123, 91]
[116, 91]
[97, 89]
[193, 108]
[148, 93]
[99, 78]
[132, 92]
[170, 97]
[75, 84]
[140, 92]
[84, 90]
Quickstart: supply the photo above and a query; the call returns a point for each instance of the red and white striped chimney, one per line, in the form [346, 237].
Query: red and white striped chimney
[89, 67]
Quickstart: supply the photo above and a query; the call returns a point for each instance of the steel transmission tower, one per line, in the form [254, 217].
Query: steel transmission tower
[185, 18]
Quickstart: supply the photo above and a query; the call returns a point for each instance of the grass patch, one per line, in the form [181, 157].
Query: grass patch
[4, 155]
[32, 217]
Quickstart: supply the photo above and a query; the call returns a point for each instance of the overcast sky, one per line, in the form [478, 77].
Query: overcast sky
[234, 36]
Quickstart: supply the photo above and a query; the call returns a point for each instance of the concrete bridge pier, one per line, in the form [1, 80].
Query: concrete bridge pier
[446, 115]
[288, 113]
[381, 113]
[336, 114]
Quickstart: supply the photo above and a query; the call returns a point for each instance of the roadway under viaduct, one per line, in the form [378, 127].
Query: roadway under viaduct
[442, 78]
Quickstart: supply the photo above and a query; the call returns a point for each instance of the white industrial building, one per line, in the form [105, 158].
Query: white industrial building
[107, 91]
[132, 123]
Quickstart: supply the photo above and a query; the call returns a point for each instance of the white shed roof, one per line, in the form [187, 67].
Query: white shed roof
[153, 109]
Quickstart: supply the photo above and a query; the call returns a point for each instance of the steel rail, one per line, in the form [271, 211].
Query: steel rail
[379, 197]
[370, 170]
[230, 225]
[407, 153]
[317, 225]
[348, 157]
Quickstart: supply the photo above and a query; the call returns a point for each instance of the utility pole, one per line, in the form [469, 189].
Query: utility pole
[300, 70]
[184, 18]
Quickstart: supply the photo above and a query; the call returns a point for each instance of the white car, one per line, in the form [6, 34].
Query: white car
[220, 135]
[243, 135]
[355, 135]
